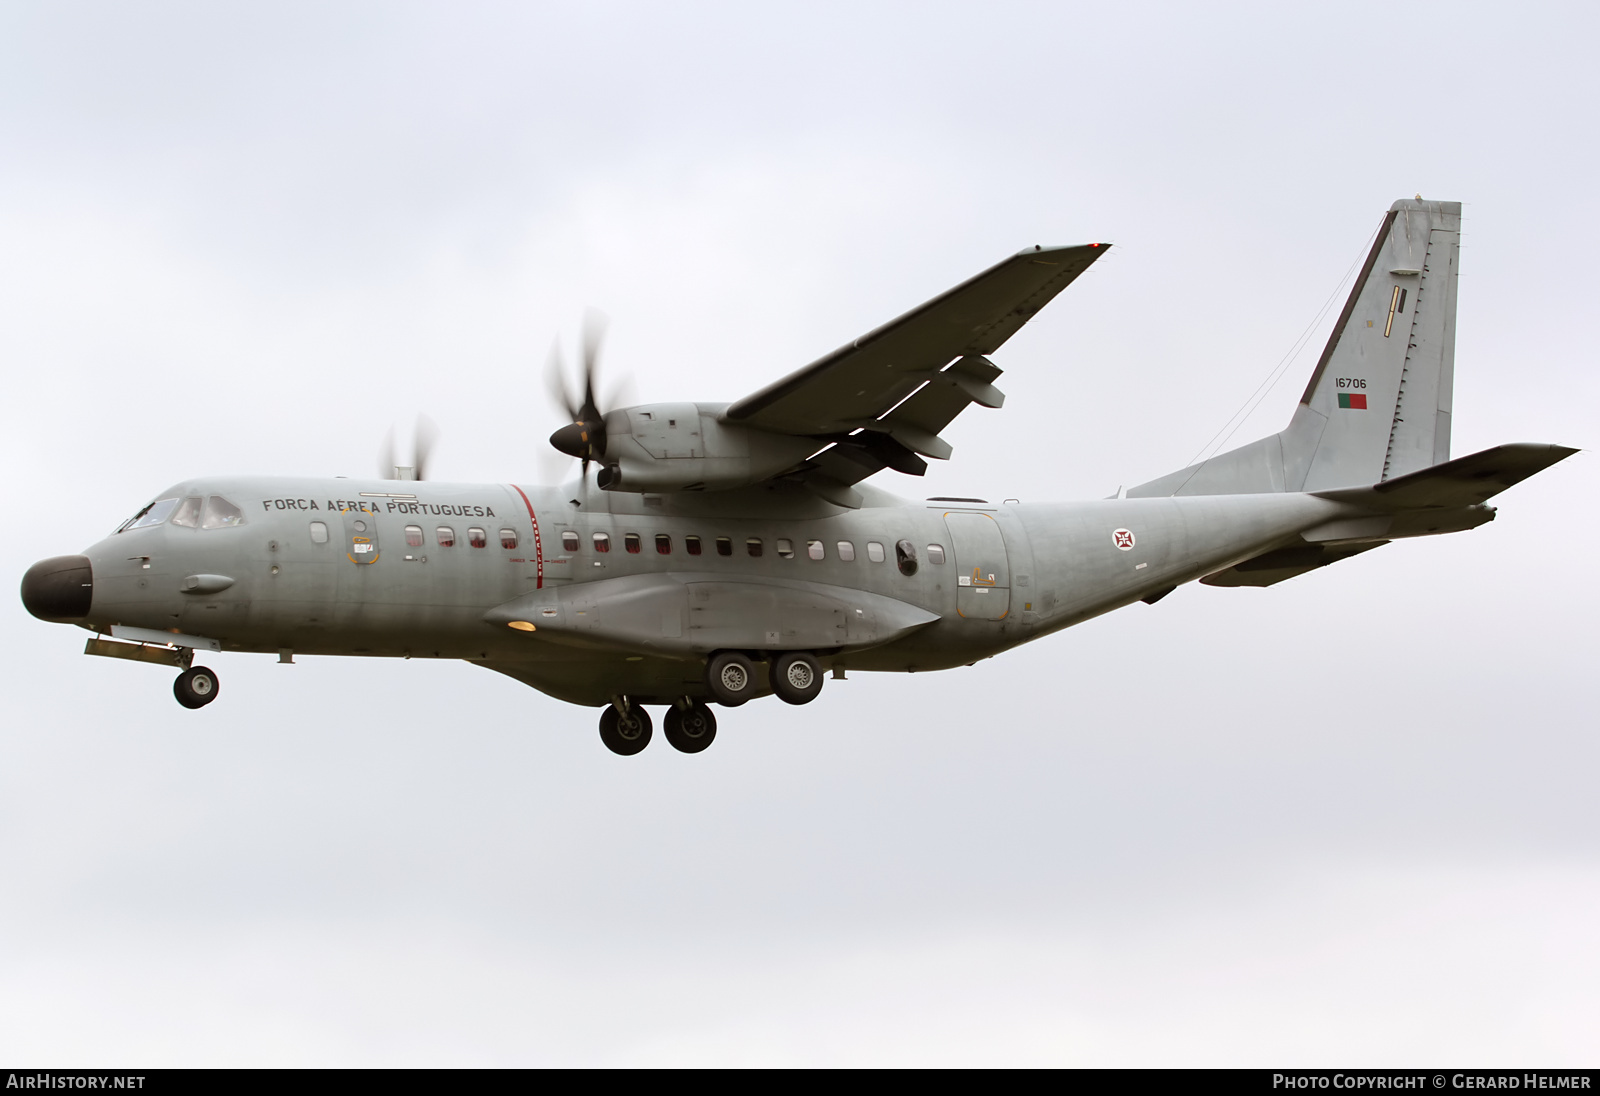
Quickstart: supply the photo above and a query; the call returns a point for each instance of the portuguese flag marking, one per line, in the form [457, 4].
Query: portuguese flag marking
[1355, 401]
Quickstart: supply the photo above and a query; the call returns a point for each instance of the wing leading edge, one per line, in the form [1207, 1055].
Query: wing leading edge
[857, 395]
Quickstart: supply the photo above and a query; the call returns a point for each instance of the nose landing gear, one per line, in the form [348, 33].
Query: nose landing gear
[196, 687]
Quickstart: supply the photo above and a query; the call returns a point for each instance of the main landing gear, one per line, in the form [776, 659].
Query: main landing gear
[795, 676]
[732, 679]
[690, 725]
[196, 687]
[625, 726]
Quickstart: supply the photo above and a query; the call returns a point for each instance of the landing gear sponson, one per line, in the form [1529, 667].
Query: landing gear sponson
[732, 679]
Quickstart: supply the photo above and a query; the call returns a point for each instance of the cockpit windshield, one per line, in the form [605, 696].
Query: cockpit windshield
[188, 514]
[215, 513]
[153, 514]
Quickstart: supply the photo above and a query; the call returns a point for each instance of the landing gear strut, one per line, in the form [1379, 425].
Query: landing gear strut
[689, 725]
[196, 687]
[625, 727]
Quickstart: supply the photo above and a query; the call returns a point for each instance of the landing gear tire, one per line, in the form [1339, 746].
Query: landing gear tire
[196, 687]
[796, 677]
[690, 729]
[625, 734]
[731, 677]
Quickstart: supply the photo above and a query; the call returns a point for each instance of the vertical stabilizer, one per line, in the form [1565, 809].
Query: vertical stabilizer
[1378, 403]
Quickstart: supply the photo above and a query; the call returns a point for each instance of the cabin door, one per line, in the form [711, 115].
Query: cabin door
[983, 573]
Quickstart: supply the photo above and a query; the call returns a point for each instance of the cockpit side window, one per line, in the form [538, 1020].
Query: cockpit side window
[188, 514]
[154, 514]
[220, 514]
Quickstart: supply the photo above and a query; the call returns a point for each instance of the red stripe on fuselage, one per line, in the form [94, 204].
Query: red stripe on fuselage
[538, 545]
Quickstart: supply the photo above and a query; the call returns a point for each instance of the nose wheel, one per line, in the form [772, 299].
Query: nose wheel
[690, 726]
[625, 727]
[196, 687]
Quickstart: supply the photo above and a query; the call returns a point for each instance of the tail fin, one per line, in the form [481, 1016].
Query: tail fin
[1378, 403]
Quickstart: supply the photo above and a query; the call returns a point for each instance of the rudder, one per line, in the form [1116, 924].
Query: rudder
[1379, 401]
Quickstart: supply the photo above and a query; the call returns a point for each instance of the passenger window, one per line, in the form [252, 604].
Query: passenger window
[663, 544]
[602, 542]
[508, 538]
[319, 533]
[630, 541]
[446, 536]
[477, 538]
[724, 546]
[188, 514]
[413, 536]
[221, 514]
[847, 551]
[569, 541]
[935, 553]
[753, 546]
[691, 545]
[905, 557]
[874, 551]
[814, 549]
[785, 549]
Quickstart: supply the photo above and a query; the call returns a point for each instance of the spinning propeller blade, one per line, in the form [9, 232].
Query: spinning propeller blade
[424, 438]
[585, 436]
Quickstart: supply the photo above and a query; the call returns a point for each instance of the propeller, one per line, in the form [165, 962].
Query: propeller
[424, 438]
[585, 436]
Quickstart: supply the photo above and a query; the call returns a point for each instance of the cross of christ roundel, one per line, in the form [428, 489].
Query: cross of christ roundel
[1123, 539]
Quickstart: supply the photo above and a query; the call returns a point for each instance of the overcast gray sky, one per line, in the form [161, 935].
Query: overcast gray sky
[1349, 819]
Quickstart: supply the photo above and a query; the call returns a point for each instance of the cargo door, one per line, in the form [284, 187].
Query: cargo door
[983, 573]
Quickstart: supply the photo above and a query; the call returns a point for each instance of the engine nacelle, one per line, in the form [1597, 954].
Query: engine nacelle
[686, 447]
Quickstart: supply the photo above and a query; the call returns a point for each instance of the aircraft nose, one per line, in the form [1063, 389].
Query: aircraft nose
[59, 589]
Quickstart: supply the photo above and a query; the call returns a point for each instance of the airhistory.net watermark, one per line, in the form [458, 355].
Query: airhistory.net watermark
[74, 1080]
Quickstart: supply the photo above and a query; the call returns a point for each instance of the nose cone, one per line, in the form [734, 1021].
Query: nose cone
[59, 589]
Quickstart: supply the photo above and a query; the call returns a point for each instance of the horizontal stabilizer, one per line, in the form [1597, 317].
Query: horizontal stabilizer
[1465, 481]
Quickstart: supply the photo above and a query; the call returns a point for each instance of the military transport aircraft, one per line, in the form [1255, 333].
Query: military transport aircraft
[724, 552]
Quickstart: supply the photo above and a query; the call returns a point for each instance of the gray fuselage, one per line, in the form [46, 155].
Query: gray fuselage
[379, 578]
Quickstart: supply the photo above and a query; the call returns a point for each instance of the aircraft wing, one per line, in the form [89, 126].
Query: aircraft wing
[855, 386]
